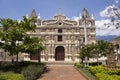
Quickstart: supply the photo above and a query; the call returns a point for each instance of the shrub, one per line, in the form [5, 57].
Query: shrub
[96, 69]
[79, 65]
[114, 72]
[103, 76]
[95, 63]
[11, 76]
[17, 67]
[32, 72]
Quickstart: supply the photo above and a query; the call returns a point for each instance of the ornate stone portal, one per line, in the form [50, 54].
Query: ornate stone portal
[64, 37]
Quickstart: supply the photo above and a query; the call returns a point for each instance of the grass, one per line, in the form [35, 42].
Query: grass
[87, 73]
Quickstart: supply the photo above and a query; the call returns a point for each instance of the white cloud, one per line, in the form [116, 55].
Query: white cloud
[101, 29]
[117, 1]
[108, 11]
[75, 18]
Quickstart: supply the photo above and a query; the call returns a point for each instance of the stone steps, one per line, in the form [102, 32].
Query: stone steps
[60, 63]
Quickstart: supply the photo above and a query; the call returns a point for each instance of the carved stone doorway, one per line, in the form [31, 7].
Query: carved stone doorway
[60, 53]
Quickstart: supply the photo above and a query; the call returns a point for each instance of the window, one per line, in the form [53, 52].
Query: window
[59, 37]
[59, 30]
[92, 30]
[60, 23]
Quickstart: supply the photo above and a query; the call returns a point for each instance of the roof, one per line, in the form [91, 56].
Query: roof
[116, 40]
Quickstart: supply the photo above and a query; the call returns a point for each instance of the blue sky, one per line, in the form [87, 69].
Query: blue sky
[15, 9]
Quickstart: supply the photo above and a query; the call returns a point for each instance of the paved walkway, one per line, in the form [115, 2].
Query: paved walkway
[62, 72]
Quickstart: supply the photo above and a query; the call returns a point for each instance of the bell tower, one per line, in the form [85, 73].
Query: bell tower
[88, 23]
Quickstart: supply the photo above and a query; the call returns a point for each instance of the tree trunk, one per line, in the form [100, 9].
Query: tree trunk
[12, 59]
[82, 60]
[117, 56]
[17, 58]
[39, 56]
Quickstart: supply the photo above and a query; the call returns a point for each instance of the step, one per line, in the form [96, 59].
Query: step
[60, 63]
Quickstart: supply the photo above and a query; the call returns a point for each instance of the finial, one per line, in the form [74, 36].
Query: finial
[80, 16]
[38, 16]
[27, 16]
[92, 16]
[19, 21]
[33, 14]
[85, 14]
[59, 10]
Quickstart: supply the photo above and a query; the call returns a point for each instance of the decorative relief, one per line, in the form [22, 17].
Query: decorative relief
[59, 20]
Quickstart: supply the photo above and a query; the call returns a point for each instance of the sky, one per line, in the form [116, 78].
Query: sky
[15, 9]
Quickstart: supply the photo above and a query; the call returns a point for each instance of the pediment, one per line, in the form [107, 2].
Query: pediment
[59, 20]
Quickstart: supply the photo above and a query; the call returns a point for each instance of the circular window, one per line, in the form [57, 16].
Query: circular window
[59, 23]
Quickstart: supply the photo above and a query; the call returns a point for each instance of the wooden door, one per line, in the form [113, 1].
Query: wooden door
[59, 53]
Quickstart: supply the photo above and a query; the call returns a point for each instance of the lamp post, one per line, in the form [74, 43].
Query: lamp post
[85, 31]
[86, 39]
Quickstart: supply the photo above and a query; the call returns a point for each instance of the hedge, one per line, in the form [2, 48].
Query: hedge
[11, 76]
[32, 72]
[101, 73]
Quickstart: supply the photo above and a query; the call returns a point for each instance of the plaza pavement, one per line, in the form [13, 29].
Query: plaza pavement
[62, 72]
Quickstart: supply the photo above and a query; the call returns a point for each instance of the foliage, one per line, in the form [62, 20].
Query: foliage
[14, 38]
[114, 72]
[32, 46]
[11, 76]
[79, 65]
[85, 51]
[32, 72]
[96, 69]
[95, 63]
[18, 67]
[12, 28]
[27, 69]
[96, 50]
[84, 70]
[104, 74]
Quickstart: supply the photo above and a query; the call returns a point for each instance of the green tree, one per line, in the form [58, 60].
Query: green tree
[86, 52]
[13, 33]
[101, 48]
[32, 46]
[96, 50]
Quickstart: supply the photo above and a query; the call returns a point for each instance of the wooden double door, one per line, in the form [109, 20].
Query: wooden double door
[59, 53]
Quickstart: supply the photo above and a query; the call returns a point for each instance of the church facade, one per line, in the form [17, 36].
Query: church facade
[64, 37]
